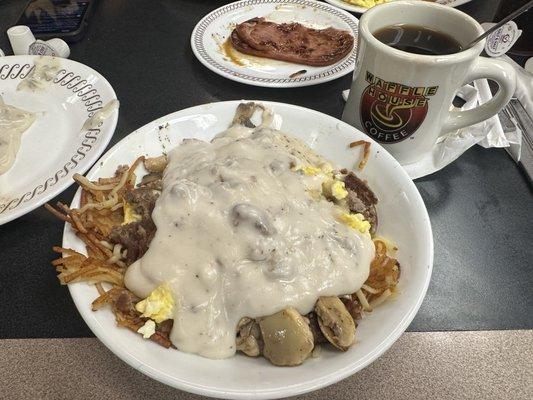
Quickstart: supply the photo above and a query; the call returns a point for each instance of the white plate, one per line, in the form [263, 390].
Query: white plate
[403, 218]
[215, 27]
[360, 10]
[54, 148]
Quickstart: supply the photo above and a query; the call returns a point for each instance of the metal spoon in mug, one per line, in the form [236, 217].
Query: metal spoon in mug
[511, 16]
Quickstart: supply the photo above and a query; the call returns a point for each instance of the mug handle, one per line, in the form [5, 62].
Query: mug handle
[496, 70]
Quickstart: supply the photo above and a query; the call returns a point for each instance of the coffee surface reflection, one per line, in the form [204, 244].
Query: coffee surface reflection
[418, 40]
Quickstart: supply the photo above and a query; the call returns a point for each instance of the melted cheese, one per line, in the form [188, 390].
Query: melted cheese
[239, 235]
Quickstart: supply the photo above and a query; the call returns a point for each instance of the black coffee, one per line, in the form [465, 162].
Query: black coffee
[418, 40]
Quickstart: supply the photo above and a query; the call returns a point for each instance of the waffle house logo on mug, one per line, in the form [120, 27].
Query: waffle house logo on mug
[391, 112]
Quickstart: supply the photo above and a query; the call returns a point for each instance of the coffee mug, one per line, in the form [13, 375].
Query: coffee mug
[403, 100]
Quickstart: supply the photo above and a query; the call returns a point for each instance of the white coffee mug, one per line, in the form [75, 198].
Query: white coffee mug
[403, 100]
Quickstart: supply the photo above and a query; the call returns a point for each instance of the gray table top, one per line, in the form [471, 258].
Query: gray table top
[480, 207]
[483, 365]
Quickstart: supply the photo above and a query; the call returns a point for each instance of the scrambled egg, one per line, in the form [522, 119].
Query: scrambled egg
[356, 221]
[311, 170]
[158, 306]
[365, 3]
[334, 188]
[148, 329]
[129, 214]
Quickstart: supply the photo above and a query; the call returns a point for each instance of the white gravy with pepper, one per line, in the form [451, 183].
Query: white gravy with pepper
[238, 234]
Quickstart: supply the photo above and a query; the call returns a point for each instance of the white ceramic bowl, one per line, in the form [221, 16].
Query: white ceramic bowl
[403, 218]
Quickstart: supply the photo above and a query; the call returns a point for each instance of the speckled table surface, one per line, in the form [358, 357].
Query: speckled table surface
[430, 366]
[142, 48]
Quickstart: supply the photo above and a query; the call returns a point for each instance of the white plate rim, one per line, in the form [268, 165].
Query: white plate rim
[362, 10]
[96, 140]
[286, 391]
[335, 71]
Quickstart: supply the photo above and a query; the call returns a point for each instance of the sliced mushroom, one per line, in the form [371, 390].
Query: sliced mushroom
[153, 180]
[253, 216]
[277, 167]
[287, 338]
[156, 164]
[353, 306]
[244, 114]
[249, 346]
[335, 322]
[318, 336]
[249, 337]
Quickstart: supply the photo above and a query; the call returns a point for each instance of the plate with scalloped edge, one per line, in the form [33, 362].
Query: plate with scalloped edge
[403, 218]
[54, 147]
[209, 42]
[345, 5]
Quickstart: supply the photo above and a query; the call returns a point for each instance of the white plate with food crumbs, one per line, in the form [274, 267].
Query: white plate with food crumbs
[360, 6]
[277, 43]
[227, 226]
[56, 118]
